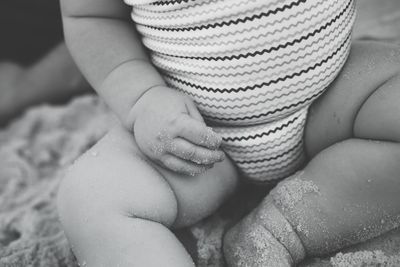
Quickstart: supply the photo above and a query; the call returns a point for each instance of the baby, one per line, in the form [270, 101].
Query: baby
[250, 69]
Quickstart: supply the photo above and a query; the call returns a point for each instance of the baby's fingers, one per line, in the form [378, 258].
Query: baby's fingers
[197, 154]
[182, 166]
[198, 133]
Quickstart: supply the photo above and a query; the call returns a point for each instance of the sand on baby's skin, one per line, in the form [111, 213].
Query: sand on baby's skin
[36, 148]
[35, 151]
[289, 193]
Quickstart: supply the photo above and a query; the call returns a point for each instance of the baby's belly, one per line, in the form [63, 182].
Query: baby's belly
[248, 62]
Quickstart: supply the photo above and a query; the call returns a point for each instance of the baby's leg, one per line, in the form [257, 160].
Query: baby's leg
[358, 179]
[116, 206]
[350, 191]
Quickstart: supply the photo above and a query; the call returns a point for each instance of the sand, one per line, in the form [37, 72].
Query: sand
[36, 149]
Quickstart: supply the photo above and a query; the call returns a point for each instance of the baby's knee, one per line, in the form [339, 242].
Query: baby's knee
[99, 213]
[84, 193]
[77, 202]
[112, 181]
[75, 210]
[70, 198]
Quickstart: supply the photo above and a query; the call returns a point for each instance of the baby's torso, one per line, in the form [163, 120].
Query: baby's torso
[253, 67]
[246, 62]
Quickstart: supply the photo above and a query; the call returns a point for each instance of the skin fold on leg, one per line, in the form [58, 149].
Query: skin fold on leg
[117, 207]
[357, 173]
[350, 191]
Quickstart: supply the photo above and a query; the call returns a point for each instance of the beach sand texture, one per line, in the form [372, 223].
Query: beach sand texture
[36, 149]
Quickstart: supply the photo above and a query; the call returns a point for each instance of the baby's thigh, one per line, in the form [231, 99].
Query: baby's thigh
[332, 117]
[199, 196]
[379, 117]
[114, 178]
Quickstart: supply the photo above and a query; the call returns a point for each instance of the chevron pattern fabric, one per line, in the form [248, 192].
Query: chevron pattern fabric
[253, 67]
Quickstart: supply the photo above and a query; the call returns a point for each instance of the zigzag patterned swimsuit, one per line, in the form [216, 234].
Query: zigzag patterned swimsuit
[253, 67]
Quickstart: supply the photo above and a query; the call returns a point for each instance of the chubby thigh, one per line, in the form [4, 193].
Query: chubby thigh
[117, 178]
[116, 206]
[361, 103]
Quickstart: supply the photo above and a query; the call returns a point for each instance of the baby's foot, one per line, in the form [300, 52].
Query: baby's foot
[263, 238]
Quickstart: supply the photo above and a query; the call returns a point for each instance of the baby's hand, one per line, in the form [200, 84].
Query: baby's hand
[169, 129]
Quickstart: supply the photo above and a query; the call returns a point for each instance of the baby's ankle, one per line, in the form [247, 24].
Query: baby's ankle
[263, 238]
[276, 223]
[249, 244]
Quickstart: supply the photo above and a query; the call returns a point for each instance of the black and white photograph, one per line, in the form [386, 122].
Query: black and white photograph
[208, 133]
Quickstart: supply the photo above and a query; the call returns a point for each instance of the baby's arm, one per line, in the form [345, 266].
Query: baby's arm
[106, 48]
[168, 128]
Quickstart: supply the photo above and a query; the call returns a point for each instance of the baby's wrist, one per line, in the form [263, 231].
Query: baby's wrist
[264, 238]
[143, 101]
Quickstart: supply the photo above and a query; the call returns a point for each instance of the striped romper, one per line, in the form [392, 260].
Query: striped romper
[253, 67]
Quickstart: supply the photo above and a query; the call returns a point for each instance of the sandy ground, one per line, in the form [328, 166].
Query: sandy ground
[36, 149]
